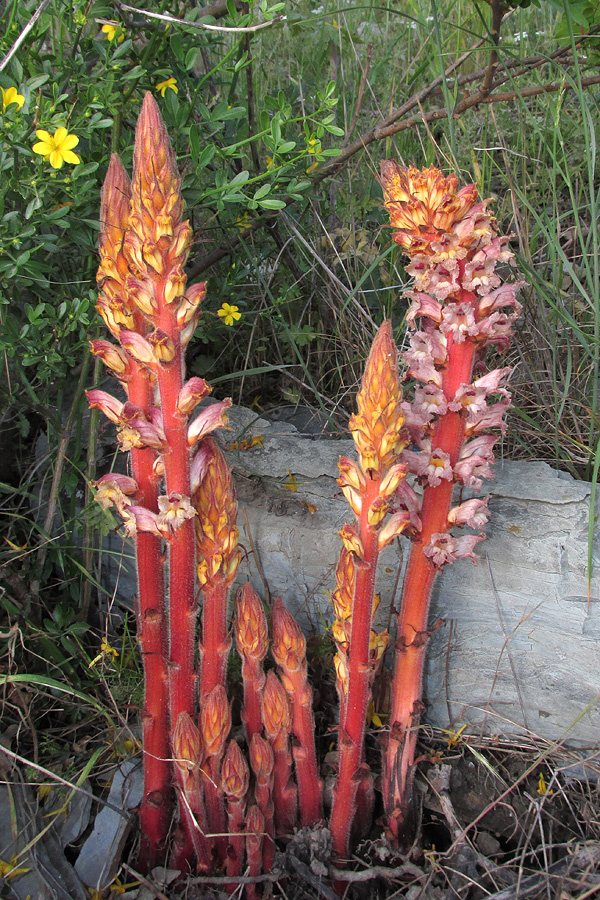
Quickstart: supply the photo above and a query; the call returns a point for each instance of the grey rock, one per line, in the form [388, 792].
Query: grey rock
[24, 835]
[100, 856]
[519, 651]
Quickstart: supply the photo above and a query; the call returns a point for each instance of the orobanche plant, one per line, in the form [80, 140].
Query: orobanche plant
[235, 798]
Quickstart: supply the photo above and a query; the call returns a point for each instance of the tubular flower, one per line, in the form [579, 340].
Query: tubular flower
[187, 744]
[57, 147]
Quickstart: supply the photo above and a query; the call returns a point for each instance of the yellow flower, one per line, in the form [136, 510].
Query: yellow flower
[112, 30]
[229, 313]
[58, 148]
[243, 222]
[9, 868]
[169, 83]
[105, 650]
[9, 96]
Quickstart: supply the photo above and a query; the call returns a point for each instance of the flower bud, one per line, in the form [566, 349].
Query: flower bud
[235, 776]
[251, 631]
[187, 746]
[112, 357]
[215, 721]
[288, 644]
[261, 759]
[193, 391]
[275, 707]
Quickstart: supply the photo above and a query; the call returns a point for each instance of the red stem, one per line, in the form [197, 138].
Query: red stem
[182, 549]
[412, 635]
[353, 727]
[237, 841]
[310, 786]
[253, 679]
[216, 641]
[285, 795]
[150, 615]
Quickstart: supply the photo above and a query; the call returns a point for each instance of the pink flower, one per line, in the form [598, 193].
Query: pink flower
[208, 420]
[479, 446]
[406, 499]
[141, 349]
[459, 320]
[491, 417]
[173, 511]
[505, 295]
[200, 463]
[421, 368]
[430, 399]
[116, 489]
[490, 382]
[422, 305]
[440, 279]
[472, 470]
[138, 518]
[434, 465]
[479, 272]
[473, 513]
[498, 328]
[415, 420]
[110, 406]
[444, 548]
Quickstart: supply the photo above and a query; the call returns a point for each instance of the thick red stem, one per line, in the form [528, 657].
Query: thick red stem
[285, 794]
[216, 641]
[412, 635]
[182, 547]
[264, 801]
[237, 841]
[360, 672]
[150, 615]
[310, 786]
[215, 806]
[253, 679]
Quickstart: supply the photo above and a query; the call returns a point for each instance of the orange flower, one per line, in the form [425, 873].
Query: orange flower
[423, 205]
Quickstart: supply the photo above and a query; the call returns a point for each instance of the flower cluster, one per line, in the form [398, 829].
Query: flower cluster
[459, 307]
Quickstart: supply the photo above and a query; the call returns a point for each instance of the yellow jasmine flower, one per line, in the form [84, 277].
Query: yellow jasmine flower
[312, 168]
[169, 83]
[229, 313]
[105, 650]
[110, 29]
[57, 147]
[9, 96]
[243, 222]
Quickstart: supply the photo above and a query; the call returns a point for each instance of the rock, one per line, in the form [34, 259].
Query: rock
[520, 648]
[41, 868]
[100, 856]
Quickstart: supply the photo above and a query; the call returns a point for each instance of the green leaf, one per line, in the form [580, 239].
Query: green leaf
[272, 204]
[262, 192]
[286, 147]
[241, 178]
[333, 129]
